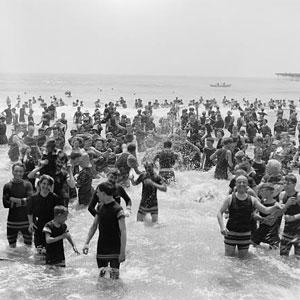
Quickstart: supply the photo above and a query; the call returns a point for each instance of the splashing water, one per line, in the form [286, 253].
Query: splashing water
[180, 258]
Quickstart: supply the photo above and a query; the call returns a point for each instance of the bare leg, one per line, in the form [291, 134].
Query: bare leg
[140, 217]
[154, 218]
[229, 250]
[243, 253]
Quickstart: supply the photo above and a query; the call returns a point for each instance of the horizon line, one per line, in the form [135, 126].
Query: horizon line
[138, 74]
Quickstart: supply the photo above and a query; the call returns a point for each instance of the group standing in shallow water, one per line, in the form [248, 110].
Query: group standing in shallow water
[51, 169]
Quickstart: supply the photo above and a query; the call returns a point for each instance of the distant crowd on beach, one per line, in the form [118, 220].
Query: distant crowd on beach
[55, 162]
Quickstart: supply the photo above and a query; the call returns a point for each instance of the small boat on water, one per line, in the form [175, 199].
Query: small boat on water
[223, 85]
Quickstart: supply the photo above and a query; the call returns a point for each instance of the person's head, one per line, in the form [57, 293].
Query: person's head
[290, 182]
[60, 214]
[149, 168]
[88, 143]
[242, 131]
[241, 183]
[168, 144]
[105, 192]
[75, 158]
[220, 134]
[18, 170]
[239, 156]
[112, 175]
[227, 142]
[77, 142]
[73, 132]
[273, 167]
[131, 148]
[266, 190]
[61, 160]
[258, 153]
[209, 142]
[50, 146]
[99, 144]
[235, 130]
[258, 141]
[85, 161]
[63, 116]
[109, 135]
[45, 184]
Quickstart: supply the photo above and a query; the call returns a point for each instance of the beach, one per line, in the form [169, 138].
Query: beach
[181, 257]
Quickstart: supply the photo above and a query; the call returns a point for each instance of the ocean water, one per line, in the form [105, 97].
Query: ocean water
[183, 256]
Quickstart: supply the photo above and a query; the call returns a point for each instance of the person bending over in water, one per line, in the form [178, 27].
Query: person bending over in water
[110, 219]
[240, 205]
[151, 183]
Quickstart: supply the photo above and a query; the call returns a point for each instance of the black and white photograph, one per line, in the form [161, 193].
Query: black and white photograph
[149, 149]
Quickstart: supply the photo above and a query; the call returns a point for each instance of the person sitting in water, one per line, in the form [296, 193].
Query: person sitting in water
[55, 232]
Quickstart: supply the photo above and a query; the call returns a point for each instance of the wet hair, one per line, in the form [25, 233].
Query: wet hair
[107, 188]
[167, 144]
[290, 178]
[18, 164]
[131, 147]
[267, 186]
[221, 131]
[227, 141]
[75, 155]
[46, 177]
[113, 171]
[60, 210]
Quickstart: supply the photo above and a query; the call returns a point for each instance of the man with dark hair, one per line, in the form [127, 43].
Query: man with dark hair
[167, 159]
[119, 193]
[15, 194]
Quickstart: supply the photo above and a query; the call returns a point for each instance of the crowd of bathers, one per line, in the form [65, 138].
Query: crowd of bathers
[55, 162]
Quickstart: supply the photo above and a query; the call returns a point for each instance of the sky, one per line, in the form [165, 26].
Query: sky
[240, 38]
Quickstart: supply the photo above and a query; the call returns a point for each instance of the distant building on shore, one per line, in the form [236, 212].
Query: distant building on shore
[289, 76]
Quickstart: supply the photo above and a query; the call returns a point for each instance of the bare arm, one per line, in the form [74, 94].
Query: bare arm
[222, 210]
[92, 230]
[122, 227]
[229, 158]
[50, 240]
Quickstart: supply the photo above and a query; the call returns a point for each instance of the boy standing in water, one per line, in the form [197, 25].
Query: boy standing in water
[110, 219]
[55, 232]
[151, 183]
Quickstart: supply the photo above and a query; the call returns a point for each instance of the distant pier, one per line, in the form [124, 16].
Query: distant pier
[290, 76]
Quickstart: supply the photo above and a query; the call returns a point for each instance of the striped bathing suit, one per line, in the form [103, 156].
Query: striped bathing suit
[239, 223]
[17, 220]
